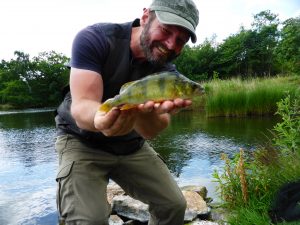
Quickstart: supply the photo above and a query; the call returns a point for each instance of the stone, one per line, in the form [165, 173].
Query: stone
[201, 190]
[202, 222]
[130, 208]
[195, 205]
[115, 220]
[113, 190]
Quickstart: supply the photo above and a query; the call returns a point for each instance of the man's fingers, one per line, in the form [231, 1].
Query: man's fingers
[120, 125]
[103, 121]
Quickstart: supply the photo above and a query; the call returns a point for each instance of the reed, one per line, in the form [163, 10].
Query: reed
[256, 96]
[240, 170]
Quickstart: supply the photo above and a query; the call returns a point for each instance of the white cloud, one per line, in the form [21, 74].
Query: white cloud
[34, 26]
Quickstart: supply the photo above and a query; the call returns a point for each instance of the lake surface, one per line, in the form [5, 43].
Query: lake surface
[191, 146]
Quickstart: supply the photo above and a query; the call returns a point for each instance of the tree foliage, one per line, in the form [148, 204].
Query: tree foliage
[36, 82]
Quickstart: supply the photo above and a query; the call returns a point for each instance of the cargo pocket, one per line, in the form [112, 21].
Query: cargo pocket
[63, 173]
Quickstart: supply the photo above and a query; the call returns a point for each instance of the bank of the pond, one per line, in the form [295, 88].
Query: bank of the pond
[264, 188]
[255, 96]
[239, 97]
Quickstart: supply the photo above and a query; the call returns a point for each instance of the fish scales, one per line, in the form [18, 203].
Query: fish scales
[156, 87]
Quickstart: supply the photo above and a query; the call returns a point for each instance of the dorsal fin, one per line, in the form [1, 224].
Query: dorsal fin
[124, 86]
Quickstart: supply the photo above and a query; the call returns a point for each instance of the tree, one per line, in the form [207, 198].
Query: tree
[288, 50]
[16, 93]
[197, 62]
[33, 83]
[233, 54]
[265, 26]
[50, 77]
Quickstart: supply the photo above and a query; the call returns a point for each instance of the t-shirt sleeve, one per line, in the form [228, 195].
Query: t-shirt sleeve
[90, 48]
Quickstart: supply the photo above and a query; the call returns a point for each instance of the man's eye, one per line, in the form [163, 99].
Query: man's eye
[164, 30]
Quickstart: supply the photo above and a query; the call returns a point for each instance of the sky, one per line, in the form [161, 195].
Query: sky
[34, 26]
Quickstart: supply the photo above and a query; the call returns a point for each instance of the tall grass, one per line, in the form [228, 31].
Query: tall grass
[256, 96]
[248, 183]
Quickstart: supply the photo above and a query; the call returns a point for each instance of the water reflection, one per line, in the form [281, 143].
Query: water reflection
[27, 168]
[191, 147]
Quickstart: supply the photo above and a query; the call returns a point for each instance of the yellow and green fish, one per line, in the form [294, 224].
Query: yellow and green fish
[157, 87]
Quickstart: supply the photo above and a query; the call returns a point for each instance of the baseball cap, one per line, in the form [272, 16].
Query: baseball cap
[182, 13]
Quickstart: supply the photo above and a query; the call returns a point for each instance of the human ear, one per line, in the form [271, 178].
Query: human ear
[145, 17]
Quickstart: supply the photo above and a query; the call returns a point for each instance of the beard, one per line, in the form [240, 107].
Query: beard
[148, 47]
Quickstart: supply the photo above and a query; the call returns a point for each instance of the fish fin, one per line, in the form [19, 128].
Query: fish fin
[124, 86]
[127, 106]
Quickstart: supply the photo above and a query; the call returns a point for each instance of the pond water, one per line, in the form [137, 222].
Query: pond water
[191, 146]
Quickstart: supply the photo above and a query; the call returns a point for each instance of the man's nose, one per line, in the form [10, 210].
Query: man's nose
[171, 43]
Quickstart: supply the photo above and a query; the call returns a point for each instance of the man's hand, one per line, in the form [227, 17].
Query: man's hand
[147, 119]
[116, 122]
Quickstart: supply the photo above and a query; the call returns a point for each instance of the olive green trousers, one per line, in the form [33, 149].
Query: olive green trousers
[84, 174]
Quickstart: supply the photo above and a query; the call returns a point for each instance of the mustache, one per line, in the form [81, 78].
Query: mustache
[171, 54]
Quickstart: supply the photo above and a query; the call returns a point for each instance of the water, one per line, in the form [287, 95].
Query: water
[191, 147]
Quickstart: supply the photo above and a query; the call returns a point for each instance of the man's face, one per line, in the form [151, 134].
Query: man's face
[162, 43]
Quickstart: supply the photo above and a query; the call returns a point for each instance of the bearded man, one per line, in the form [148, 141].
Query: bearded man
[95, 147]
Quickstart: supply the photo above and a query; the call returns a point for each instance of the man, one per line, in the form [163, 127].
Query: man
[94, 147]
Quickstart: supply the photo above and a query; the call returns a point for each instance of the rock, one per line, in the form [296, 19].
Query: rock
[113, 190]
[130, 208]
[201, 190]
[195, 205]
[115, 220]
[202, 222]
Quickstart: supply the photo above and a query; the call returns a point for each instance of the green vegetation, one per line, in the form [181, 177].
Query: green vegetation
[36, 82]
[255, 96]
[249, 183]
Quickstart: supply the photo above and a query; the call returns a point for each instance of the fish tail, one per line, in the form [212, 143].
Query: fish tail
[106, 106]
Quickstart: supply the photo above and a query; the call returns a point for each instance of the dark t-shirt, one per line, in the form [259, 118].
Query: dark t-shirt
[105, 49]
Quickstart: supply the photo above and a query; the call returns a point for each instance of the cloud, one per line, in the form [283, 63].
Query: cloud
[34, 26]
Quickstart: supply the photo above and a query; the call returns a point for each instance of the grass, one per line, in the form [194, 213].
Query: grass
[256, 96]
[248, 184]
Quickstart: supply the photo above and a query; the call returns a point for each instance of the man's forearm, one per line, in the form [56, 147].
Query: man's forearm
[84, 114]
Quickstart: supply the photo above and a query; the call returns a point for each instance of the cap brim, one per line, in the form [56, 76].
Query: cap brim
[173, 19]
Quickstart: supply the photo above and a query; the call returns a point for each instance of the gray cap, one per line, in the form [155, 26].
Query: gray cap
[182, 13]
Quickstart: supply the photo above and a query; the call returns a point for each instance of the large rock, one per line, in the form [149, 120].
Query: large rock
[113, 190]
[130, 208]
[201, 190]
[115, 220]
[196, 206]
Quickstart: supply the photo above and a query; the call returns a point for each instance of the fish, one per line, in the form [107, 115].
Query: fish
[157, 87]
